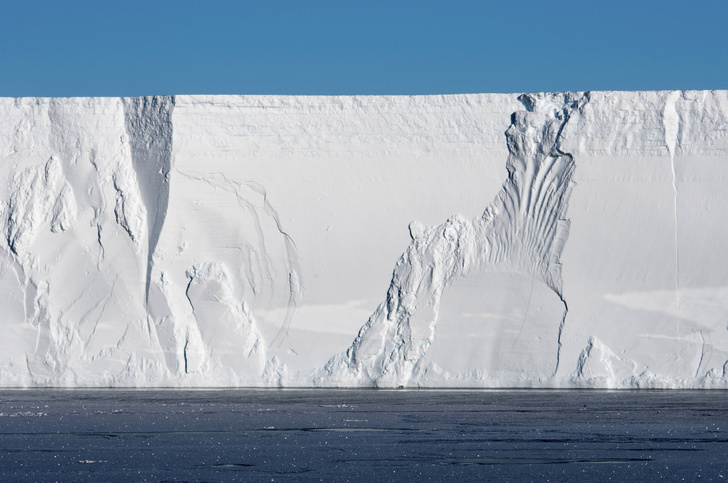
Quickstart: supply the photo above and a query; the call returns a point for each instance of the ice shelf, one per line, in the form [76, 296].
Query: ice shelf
[485, 240]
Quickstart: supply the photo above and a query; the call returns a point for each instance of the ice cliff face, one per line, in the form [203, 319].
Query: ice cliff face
[523, 230]
[88, 184]
[558, 240]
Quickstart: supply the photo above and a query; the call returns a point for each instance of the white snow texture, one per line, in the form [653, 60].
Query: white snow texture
[489, 240]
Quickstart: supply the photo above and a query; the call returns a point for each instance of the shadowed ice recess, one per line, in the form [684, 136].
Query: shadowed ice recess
[487, 240]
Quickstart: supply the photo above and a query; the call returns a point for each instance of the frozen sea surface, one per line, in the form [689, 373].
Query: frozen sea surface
[356, 435]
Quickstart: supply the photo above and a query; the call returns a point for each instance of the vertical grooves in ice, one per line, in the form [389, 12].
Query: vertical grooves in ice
[524, 229]
[671, 120]
[148, 123]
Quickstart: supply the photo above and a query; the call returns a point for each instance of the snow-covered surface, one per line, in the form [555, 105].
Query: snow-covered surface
[486, 240]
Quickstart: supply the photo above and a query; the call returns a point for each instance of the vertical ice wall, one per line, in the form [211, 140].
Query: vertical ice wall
[85, 196]
[148, 123]
[522, 231]
[247, 240]
[642, 269]
[74, 221]
[204, 330]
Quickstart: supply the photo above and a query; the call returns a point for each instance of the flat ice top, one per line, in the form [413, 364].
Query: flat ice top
[483, 240]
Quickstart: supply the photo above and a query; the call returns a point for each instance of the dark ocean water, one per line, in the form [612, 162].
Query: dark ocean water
[363, 435]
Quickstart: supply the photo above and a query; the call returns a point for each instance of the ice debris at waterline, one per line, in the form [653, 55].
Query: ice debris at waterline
[489, 240]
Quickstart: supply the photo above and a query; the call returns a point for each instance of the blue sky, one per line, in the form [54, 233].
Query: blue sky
[130, 47]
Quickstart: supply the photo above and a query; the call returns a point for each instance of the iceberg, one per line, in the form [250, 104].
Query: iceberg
[480, 240]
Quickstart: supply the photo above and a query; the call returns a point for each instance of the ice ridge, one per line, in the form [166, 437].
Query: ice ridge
[523, 229]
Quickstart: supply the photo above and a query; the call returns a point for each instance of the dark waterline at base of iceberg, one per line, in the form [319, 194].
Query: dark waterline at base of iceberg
[352, 435]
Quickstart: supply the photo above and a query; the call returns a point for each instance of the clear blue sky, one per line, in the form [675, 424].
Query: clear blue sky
[130, 47]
